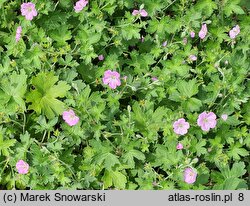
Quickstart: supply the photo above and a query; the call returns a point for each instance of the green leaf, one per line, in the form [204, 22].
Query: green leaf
[107, 179]
[235, 151]
[14, 87]
[115, 178]
[192, 104]
[233, 7]
[130, 155]
[61, 35]
[44, 96]
[5, 144]
[130, 32]
[231, 183]
[200, 149]
[238, 169]
[119, 179]
[107, 159]
[187, 89]
[206, 6]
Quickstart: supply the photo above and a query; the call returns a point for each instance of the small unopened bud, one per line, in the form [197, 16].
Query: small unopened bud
[216, 65]
[195, 160]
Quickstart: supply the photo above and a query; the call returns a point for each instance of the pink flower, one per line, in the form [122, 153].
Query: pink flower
[18, 33]
[181, 126]
[193, 57]
[125, 78]
[179, 146]
[141, 12]
[164, 43]
[224, 117]
[80, 5]
[22, 167]
[192, 34]
[185, 41]
[234, 32]
[203, 31]
[101, 57]
[154, 78]
[28, 10]
[207, 121]
[70, 118]
[112, 79]
[142, 39]
[189, 175]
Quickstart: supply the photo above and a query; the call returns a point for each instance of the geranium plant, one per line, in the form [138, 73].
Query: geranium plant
[124, 94]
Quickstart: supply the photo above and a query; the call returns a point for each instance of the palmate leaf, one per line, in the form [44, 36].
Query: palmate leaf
[237, 170]
[231, 183]
[115, 178]
[5, 144]
[233, 7]
[107, 159]
[187, 89]
[61, 35]
[130, 32]
[44, 96]
[232, 176]
[192, 104]
[12, 90]
[104, 156]
[206, 6]
[236, 151]
[130, 155]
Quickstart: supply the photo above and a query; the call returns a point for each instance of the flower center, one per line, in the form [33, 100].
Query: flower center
[24, 166]
[191, 174]
[205, 120]
[181, 125]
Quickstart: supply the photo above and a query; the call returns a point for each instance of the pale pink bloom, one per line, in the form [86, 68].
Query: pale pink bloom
[142, 39]
[203, 31]
[207, 121]
[224, 117]
[125, 78]
[189, 175]
[216, 64]
[135, 12]
[80, 5]
[185, 41]
[155, 184]
[28, 10]
[179, 146]
[18, 33]
[154, 78]
[164, 43]
[112, 79]
[22, 167]
[193, 57]
[181, 126]
[101, 57]
[234, 32]
[141, 12]
[70, 118]
[192, 34]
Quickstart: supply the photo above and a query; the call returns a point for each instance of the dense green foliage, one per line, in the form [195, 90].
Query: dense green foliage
[125, 137]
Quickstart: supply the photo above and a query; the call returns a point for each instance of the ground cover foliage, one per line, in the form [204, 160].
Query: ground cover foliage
[65, 125]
